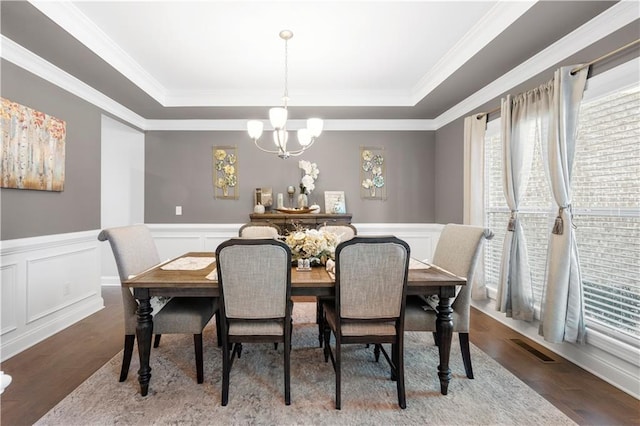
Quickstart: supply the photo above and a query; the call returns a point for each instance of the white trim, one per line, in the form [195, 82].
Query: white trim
[329, 125]
[18, 55]
[614, 18]
[54, 282]
[615, 79]
[499, 18]
[602, 25]
[66, 15]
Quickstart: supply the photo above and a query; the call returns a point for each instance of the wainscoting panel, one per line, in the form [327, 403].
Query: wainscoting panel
[56, 282]
[48, 284]
[8, 296]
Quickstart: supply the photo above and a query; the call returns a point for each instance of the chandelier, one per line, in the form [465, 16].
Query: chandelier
[278, 118]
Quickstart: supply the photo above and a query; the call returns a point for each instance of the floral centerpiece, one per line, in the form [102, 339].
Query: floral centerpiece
[317, 246]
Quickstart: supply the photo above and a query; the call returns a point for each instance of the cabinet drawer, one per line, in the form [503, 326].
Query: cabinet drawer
[275, 221]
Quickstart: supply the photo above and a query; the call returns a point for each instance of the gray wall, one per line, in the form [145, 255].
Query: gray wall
[29, 213]
[179, 172]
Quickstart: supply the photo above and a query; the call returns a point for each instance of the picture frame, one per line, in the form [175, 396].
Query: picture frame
[263, 196]
[334, 202]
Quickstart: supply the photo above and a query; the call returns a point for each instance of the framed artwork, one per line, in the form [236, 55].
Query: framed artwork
[334, 202]
[263, 196]
[225, 172]
[32, 149]
[373, 185]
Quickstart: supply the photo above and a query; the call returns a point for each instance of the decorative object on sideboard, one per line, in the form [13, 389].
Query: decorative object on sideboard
[372, 173]
[225, 165]
[263, 196]
[291, 190]
[278, 119]
[258, 208]
[334, 202]
[294, 210]
[32, 148]
[310, 173]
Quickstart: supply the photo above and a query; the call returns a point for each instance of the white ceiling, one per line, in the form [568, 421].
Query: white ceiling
[228, 53]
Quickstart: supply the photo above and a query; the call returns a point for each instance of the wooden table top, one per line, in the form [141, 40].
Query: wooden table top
[420, 281]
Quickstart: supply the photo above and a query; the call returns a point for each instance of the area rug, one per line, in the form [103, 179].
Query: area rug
[494, 397]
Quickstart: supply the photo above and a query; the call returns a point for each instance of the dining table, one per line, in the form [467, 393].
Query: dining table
[193, 274]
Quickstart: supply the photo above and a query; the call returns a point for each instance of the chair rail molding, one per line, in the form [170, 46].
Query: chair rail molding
[46, 284]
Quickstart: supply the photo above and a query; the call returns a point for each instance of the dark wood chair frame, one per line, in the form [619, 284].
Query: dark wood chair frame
[232, 345]
[396, 360]
[323, 299]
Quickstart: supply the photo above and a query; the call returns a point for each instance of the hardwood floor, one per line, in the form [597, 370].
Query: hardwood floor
[44, 374]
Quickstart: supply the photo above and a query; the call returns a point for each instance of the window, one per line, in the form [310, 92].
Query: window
[606, 209]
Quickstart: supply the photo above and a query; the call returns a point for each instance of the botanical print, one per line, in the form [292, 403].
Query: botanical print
[372, 173]
[32, 152]
[225, 174]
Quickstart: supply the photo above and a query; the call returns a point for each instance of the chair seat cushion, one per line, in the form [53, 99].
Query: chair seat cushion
[185, 315]
[256, 328]
[359, 328]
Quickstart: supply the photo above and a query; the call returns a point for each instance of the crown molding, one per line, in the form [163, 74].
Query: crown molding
[266, 98]
[329, 125]
[66, 15]
[491, 25]
[608, 22]
[23, 58]
[611, 20]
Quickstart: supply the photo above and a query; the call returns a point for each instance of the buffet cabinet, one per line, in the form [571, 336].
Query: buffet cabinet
[287, 222]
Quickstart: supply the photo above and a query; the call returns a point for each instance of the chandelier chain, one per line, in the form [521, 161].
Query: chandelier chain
[286, 73]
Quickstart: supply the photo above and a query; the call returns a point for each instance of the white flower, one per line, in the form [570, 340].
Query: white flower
[312, 244]
[367, 183]
[307, 182]
[311, 173]
[305, 165]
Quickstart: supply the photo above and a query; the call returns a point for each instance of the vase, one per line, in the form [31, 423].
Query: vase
[303, 201]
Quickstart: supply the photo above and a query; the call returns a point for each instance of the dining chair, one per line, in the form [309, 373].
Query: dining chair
[371, 285]
[345, 232]
[457, 251]
[254, 277]
[134, 251]
[259, 230]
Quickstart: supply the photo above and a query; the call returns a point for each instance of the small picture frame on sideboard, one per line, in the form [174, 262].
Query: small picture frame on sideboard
[334, 202]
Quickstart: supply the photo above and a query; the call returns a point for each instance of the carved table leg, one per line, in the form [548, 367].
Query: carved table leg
[144, 331]
[444, 330]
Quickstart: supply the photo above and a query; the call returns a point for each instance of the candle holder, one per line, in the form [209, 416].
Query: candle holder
[291, 190]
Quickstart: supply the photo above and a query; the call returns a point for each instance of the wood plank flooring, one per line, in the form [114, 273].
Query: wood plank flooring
[44, 374]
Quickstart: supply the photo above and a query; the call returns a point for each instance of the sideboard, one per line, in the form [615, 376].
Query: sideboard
[287, 222]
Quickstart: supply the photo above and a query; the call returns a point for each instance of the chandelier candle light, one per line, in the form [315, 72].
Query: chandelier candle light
[278, 118]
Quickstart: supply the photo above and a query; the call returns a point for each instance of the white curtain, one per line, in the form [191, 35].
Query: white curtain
[475, 127]
[563, 311]
[521, 116]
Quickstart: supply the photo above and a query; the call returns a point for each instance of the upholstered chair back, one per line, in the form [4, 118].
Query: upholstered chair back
[344, 232]
[458, 251]
[371, 274]
[255, 230]
[255, 277]
[134, 251]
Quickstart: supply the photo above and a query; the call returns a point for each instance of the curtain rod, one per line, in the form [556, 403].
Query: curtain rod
[575, 70]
